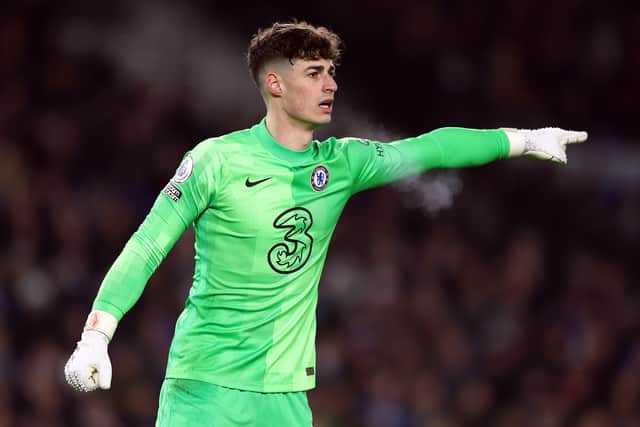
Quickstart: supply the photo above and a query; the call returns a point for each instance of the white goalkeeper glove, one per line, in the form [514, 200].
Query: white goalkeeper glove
[545, 143]
[89, 366]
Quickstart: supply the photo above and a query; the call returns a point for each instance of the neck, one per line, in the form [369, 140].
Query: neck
[289, 132]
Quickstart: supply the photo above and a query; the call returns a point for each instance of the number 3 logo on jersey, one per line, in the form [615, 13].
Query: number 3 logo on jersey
[293, 253]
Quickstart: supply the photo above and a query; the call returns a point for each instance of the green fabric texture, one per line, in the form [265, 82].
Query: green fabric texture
[263, 217]
[191, 403]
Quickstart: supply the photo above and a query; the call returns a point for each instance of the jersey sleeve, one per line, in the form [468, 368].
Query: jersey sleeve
[375, 163]
[183, 199]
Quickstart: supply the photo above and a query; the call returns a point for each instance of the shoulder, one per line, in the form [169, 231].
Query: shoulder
[209, 154]
[215, 148]
[234, 141]
[347, 147]
[335, 145]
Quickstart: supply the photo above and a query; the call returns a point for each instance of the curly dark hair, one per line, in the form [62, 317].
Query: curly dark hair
[292, 40]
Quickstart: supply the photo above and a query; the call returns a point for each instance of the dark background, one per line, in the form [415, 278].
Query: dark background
[503, 295]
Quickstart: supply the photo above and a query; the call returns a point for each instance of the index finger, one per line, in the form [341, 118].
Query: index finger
[573, 136]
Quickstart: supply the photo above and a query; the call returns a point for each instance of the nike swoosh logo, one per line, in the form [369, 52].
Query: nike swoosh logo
[249, 183]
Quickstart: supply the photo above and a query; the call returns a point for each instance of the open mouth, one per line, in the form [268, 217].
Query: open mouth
[326, 105]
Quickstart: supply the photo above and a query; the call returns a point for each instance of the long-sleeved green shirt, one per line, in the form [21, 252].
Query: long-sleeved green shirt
[263, 217]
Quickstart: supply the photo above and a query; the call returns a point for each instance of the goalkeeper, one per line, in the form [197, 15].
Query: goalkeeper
[264, 202]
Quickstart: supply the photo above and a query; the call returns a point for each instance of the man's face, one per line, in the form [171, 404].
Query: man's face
[307, 89]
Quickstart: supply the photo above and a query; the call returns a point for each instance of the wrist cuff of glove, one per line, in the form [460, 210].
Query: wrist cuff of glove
[101, 321]
[516, 141]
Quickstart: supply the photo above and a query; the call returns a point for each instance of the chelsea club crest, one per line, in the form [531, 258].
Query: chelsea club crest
[319, 178]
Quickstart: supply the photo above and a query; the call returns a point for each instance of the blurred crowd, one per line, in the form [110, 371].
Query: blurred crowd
[517, 306]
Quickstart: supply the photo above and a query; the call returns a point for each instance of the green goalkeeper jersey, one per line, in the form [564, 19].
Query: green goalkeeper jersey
[263, 217]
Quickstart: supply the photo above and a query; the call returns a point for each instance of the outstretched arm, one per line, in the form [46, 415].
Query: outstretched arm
[375, 163]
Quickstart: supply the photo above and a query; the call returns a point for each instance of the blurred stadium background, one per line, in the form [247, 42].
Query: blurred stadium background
[500, 296]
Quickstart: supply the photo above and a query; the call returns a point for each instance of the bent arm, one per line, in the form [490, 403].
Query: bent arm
[141, 256]
[183, 199]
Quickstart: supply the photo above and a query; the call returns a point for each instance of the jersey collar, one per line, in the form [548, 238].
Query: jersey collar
[270, 144]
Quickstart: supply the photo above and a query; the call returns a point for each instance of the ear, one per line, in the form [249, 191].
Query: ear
[272, 84]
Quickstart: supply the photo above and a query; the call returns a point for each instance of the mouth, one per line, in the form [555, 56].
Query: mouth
[326, 105]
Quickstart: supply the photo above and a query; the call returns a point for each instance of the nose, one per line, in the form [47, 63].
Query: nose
[330, 84]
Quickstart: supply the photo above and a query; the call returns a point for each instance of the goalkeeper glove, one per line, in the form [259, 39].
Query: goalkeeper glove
[545, 143]
[89, 366]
